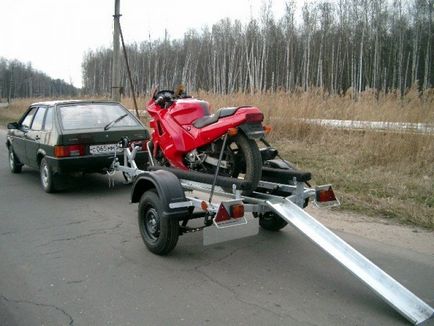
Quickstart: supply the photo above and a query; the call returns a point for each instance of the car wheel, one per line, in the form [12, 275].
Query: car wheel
[14, 164]
[47, 176]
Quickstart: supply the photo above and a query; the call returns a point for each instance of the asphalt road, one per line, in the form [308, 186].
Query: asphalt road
[76, 258]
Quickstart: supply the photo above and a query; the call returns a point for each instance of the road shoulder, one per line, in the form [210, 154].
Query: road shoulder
[382, 230]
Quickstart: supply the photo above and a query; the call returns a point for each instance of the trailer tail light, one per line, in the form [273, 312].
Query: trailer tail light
[69, 150]
[325, 196]
[254, 117]
[237, 210]
[230, 213]
[204, 205]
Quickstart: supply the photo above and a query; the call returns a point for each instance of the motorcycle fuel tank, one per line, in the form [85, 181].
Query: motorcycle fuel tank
[186, 111]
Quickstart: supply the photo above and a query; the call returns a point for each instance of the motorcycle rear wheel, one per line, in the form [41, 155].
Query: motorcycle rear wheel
[243, 156]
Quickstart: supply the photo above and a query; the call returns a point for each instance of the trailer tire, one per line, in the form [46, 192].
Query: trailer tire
[159, 232]
[271, 221]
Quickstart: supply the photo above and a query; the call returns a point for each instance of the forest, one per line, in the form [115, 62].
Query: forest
[18, 80]
[338, 46]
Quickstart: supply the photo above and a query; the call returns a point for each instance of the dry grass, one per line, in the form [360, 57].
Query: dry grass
[14, 110]
[378, 173]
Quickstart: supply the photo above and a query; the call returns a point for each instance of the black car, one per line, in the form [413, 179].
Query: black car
[64, 137]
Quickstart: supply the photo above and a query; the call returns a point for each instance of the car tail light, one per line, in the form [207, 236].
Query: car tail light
[254, 117]
[69, 150]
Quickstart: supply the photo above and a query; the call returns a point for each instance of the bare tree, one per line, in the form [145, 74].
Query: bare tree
[337, 46]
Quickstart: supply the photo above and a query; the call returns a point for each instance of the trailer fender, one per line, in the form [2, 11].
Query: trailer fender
[167, 186]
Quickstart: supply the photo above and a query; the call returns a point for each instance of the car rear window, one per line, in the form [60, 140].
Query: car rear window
[94, 116]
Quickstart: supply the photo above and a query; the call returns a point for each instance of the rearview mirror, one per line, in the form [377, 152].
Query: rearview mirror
[13, 125]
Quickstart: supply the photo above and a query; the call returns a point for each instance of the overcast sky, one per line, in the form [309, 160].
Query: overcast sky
[54, 34]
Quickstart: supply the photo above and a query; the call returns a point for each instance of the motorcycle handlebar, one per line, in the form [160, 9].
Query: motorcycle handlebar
[163, 99]
[159, 100]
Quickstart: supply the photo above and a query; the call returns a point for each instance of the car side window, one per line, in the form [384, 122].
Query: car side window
[39, 118]
[27, 121]
[48, 125]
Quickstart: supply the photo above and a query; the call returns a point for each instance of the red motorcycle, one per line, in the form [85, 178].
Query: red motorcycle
[186, 136]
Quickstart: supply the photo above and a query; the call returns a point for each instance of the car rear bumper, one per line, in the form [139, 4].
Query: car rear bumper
[90, 163]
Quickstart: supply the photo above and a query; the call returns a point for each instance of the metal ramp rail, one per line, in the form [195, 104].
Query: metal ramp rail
[399, 297]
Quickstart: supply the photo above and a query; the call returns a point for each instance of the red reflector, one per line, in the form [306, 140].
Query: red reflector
[254, 117]
[222, 214]
[70, 150]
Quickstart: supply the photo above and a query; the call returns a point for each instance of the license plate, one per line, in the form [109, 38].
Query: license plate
[104, 149]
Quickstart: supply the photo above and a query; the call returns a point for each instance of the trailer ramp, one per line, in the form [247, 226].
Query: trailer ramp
[400, 298]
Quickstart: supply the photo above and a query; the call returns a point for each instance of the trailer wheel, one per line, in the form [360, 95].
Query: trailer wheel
[159, 232]
[271, 221]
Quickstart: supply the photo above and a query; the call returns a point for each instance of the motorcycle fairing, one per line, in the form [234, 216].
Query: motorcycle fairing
[175, 133]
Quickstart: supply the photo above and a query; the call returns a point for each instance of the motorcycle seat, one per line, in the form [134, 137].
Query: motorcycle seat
[210, 119]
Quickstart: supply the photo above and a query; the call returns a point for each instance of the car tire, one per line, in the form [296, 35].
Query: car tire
[14, 165]
[159, 232]
[47, 177]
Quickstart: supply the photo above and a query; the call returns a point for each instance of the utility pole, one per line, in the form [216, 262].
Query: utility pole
[116, 68]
